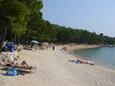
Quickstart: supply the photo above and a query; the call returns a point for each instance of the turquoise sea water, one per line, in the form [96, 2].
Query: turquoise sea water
[104, 56]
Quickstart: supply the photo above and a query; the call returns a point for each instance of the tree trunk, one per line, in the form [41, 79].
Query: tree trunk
[11, 37]
[14, 38]
[2, 37]
[19, 40]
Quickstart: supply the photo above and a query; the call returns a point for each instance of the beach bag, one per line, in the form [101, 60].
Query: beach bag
[11, 72]
[11, 48]
[7, 45]
[4, 48]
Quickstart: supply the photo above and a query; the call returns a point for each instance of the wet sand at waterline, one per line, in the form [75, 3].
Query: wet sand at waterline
[54, 69]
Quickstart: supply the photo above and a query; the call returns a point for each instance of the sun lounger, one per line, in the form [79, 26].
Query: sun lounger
[19, 71]
[25, 71]
[22, 67]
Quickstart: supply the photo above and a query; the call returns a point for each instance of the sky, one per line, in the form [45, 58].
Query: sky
[92, 15]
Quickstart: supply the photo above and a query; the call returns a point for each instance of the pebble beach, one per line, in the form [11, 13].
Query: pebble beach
[54, 69]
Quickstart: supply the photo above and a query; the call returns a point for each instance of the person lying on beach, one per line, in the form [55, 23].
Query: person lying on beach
[23, 65]
[11, 62]
[82, 61]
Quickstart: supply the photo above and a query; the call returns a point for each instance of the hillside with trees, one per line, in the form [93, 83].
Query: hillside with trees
[21, 21]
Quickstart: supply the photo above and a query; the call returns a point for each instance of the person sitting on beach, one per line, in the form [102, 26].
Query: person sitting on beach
[23, 65]
[15, 64]
[82, 61]
[12, 62]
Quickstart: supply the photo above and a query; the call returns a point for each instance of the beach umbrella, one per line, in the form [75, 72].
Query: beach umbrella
[34, 41]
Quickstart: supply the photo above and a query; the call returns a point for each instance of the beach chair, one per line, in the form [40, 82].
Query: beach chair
[21, 71]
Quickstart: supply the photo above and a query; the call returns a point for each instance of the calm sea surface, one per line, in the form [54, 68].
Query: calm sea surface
[104, 56]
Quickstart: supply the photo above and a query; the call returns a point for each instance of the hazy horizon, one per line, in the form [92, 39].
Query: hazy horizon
[93, 15]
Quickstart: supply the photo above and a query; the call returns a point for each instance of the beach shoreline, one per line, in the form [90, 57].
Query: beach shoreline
[54, 69]
[71, 49]
[81, 46]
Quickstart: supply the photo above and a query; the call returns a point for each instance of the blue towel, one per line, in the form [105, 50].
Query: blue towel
[77, 62]
[11, 72]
